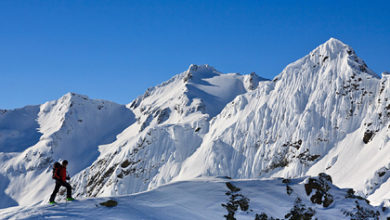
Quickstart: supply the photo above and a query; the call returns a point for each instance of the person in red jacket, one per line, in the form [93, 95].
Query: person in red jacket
[61, 177]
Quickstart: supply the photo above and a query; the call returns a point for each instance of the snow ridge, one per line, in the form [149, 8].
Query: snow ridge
[218, 198]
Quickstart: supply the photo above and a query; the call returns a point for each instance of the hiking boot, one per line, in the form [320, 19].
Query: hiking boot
[69, 199]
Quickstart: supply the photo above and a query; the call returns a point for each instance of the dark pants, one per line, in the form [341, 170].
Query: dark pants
[60, 183]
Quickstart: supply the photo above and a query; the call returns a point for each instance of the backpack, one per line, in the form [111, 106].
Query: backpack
[56, 170]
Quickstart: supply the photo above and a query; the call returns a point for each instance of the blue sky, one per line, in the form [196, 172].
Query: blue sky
[115, 50]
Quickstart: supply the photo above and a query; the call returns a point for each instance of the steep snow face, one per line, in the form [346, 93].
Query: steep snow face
[18, 129]
[285, 126]
[172, 119]
[362, 159]
[72, 128]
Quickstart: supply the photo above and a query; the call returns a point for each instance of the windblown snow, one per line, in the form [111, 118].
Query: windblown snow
[324, 113]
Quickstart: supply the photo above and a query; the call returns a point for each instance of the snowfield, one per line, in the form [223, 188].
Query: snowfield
[326, 113]
[209, 199]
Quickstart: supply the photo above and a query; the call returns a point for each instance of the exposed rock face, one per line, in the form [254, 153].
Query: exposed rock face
[318, 189]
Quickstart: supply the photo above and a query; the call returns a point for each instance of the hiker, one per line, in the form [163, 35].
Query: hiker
[59, 174]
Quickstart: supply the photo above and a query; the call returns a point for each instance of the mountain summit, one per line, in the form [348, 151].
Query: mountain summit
[333, 46]
[324, 113]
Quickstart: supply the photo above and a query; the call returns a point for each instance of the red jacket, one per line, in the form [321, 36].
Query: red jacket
[63, 174]
[60, 174]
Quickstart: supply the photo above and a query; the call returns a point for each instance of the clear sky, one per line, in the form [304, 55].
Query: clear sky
[115, 50]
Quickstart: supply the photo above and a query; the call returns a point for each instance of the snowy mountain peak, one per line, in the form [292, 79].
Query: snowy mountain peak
[199, 89]
[197, 72]
[75, 97]
[331, 60]
[335, 44]
[332, 48]
[57, 111]
[193, 68]
[341, 54]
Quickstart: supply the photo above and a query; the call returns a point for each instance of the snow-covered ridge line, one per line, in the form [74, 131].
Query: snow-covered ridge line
[218, 198]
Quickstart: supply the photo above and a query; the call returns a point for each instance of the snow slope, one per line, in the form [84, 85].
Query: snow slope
[209, 199]
[18, 129]
[345, 161]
